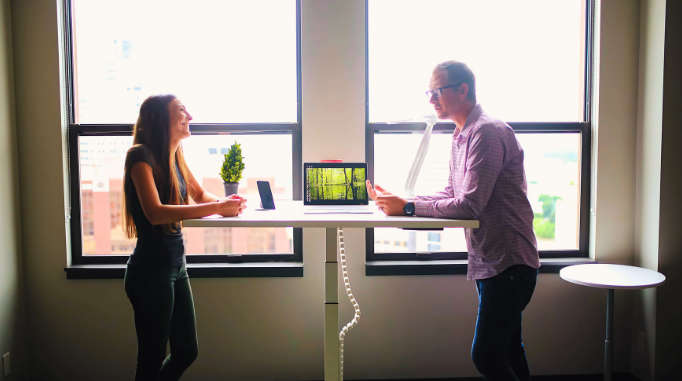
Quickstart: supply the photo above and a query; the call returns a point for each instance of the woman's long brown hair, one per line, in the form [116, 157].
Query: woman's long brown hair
[153, 131]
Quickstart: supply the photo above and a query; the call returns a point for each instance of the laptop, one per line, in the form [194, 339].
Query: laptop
[333, 188]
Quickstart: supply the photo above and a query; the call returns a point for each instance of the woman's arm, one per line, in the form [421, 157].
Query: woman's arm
[198, 194]
[160, 214]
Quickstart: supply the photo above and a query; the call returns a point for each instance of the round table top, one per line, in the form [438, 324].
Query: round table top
[612, 276]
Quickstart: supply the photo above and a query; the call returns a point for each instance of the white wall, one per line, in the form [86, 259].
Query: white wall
[617, 131]
[411, 327]
[13, 337]
[333, 80]
[668, 307]
[649, 133]
[615, 153]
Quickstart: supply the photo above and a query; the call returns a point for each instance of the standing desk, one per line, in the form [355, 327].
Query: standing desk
[290, 214]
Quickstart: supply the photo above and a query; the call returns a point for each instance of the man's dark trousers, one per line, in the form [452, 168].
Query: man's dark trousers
[498, 351]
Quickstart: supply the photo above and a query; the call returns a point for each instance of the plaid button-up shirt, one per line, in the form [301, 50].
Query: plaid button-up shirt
[487, 182]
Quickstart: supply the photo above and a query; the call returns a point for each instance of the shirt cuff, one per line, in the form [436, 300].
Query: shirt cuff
[421, 208]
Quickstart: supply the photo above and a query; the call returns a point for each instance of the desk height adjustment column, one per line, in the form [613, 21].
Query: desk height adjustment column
[331, 307]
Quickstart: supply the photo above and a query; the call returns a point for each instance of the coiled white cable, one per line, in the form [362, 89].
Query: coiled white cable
[409, 188]
[346, 282]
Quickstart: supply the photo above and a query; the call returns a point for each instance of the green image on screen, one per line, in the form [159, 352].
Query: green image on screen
[336, 184]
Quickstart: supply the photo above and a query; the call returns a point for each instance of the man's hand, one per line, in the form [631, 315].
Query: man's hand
[386, 201]
[374, 193]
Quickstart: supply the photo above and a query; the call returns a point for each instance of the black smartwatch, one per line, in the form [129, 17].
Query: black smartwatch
[409, 209]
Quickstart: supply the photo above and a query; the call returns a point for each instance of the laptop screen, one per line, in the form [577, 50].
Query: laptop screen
[335, 184]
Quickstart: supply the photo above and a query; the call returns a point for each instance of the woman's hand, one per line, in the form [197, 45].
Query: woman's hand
[231, 206]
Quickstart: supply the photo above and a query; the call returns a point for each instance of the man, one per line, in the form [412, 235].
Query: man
[487, 182]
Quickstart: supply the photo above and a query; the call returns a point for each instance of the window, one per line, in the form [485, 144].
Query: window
[531, 63]
[217, 56]
[118, 61]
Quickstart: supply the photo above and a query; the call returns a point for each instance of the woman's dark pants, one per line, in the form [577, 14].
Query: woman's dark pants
[164, 311]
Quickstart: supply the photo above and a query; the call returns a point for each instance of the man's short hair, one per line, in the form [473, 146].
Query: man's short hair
[459, 72]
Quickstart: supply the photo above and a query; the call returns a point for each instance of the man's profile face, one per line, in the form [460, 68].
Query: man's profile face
[450, 99]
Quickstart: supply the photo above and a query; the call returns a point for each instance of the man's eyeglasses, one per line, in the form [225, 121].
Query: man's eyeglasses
[438, 91]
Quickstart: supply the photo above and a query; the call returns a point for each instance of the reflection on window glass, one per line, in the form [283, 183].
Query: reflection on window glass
[528, 56]
[101, 171]
[552, 164]
[215, 55]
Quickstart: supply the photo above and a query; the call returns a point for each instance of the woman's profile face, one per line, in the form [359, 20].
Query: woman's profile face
[179, 120]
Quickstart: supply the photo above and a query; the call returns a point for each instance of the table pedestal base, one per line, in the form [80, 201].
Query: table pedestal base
[608, 344]
[331, 307]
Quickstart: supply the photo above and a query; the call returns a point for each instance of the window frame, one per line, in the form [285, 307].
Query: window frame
[584, 128]
[75, 131]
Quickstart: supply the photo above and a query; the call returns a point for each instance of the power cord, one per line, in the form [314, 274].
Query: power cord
[352, 323]
[409, 189]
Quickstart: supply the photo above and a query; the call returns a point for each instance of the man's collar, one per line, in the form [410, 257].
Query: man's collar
[471, 119]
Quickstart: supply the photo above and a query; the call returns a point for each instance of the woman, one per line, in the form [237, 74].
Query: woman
[157, 186]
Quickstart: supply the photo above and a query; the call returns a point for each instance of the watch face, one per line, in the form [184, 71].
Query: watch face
[409, 208]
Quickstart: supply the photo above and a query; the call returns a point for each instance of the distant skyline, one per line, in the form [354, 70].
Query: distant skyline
[101, 171]
[545, 174]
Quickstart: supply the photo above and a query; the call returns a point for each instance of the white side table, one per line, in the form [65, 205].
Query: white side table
[611, 277]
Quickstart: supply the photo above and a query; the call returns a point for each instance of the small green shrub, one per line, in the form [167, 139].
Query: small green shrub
[233, 164]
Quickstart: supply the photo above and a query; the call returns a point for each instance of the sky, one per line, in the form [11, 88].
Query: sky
[526, 56]
[146, 47]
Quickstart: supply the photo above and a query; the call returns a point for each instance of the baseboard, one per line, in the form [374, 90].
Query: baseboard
[562, 377]
[586, 377]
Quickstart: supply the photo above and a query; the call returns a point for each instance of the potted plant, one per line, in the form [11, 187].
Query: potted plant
[232, 169]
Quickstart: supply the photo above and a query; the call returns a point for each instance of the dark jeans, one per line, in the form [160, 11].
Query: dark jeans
[498, 351]
[164, 310]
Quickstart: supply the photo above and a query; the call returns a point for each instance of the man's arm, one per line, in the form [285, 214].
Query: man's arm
[485, 161]
[447, 193]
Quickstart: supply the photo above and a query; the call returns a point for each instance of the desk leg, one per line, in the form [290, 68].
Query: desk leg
[331, 308]
[608, 345]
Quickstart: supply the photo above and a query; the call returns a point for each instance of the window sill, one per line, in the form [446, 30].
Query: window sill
[197, 270]
[455, 267]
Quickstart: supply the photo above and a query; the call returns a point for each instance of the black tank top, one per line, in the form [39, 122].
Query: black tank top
[153, 244]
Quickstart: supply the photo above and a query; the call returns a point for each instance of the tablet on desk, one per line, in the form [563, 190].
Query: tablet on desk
[266, 200]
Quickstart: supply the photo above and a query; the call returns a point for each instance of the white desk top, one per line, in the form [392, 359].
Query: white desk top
[290, 214]
[612, 276]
